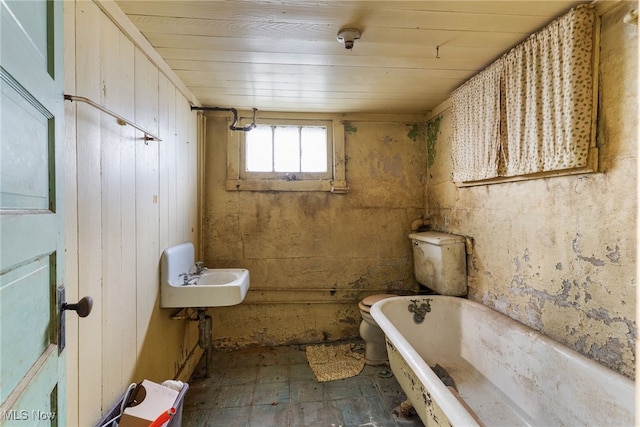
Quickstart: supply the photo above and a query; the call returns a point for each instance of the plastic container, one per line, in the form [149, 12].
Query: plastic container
[113, 415]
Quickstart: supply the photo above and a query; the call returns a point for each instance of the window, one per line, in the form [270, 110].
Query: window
[286, 151]
[283, 154]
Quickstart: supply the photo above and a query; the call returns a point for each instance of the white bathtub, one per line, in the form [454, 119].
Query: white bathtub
[506, 373]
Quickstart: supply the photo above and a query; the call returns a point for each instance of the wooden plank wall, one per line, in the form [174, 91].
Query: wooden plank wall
[127, 201]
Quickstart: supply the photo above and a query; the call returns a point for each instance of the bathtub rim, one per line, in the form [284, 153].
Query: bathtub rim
[455, 411]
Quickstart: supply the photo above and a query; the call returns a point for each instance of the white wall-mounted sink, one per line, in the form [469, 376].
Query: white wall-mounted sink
[215, 287]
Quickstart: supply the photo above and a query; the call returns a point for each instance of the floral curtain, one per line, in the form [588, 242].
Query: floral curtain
[476, 124]
[544, 105]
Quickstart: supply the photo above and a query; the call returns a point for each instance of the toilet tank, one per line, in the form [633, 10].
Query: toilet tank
[440, 262]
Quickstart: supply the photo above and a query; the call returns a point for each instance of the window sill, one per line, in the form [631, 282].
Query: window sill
[338, 187]
[591, 167]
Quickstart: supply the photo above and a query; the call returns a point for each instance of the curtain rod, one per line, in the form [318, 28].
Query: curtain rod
[148, 136]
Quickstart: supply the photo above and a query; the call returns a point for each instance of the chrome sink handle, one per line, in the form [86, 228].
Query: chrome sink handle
[188, 279]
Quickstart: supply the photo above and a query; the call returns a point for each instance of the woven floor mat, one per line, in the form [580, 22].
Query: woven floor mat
[335, 362]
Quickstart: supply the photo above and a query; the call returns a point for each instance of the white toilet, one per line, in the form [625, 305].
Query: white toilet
[375, 352]
[439, 263]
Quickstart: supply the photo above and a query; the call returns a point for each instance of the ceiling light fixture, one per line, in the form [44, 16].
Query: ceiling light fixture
[348, 36]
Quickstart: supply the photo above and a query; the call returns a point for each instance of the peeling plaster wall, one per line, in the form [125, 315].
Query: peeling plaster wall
[559, 254]
[313, 255]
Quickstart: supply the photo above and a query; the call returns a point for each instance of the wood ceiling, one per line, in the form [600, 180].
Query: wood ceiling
[284, 56]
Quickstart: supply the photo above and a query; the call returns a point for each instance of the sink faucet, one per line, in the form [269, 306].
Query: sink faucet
[191, 278]
[188, 279]
[200, 268]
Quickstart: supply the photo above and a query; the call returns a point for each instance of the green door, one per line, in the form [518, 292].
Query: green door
[32, 365]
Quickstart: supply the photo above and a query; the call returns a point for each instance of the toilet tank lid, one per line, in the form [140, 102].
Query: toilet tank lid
[437, 237]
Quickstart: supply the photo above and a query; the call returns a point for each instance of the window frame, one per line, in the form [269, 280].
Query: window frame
[301, 175]
[331, 181]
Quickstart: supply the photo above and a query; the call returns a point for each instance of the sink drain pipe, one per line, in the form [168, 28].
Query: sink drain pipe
[205, 332]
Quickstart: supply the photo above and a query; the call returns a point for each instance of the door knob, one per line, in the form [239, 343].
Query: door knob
[82, 307]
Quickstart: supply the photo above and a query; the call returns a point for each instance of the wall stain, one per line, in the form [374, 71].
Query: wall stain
[585, 288]
[592, 259]
[614, 254]
[417, 131]
[393, 167]
[516, 262]
[603, 315]
[349, 320]
[609, 353]
[349, 128]
[573, 294]
[433, 130]
[351, 296]
[359, 283]
[600, 313]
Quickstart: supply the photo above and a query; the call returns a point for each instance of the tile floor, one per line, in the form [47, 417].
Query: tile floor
[274, 386]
